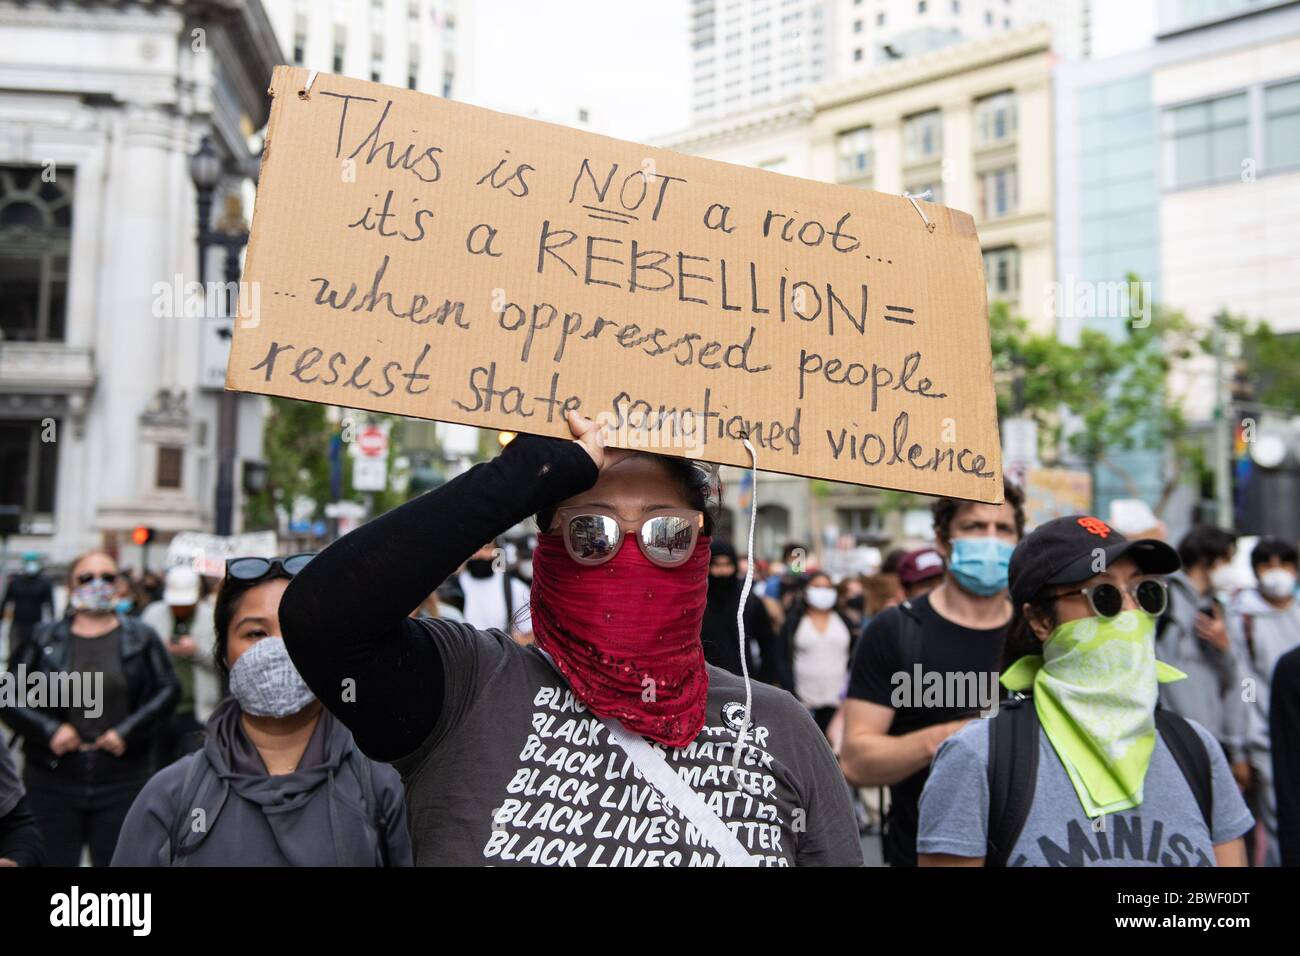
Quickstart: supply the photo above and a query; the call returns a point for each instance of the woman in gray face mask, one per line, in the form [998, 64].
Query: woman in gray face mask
[278, 782]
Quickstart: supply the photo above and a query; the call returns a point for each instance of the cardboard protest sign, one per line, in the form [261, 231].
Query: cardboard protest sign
[417, 256]
[1055, 492]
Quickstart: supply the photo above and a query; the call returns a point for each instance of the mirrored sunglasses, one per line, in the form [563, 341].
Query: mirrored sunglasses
[594, 535]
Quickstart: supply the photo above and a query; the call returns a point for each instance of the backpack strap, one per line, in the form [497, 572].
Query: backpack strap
[910, 632]
[1013, 775]
[363, 769]
[196, 777]
[1193, 759]
[1248, 632]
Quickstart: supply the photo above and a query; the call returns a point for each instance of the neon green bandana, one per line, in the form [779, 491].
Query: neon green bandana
[1095, 689]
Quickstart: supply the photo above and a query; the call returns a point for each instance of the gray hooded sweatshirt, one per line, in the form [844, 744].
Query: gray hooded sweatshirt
[314, 816]
[1262, 633]
[1211, 695]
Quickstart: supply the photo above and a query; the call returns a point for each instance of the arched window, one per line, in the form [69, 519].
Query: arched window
[35, 236]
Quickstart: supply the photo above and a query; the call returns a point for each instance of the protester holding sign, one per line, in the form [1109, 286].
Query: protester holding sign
[610, 742]
[1099, 776]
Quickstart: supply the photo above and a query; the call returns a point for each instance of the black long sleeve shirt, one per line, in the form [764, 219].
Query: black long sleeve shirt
[1284, 736]
[344, 616]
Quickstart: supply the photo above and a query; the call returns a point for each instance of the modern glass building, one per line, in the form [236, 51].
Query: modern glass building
[1155, 151]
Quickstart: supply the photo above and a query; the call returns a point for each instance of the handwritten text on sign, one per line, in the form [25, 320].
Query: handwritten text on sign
[426, 258]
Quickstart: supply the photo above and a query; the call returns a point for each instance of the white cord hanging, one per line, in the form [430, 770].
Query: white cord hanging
[740, 611]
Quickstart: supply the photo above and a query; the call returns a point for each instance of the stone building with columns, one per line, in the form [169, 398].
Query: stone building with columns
[107, 421]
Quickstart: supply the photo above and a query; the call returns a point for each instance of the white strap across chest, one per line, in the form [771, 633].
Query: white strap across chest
[660, 775]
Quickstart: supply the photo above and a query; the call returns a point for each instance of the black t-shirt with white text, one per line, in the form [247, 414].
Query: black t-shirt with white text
[885, 672]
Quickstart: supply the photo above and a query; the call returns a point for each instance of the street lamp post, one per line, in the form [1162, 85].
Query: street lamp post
[206, 172]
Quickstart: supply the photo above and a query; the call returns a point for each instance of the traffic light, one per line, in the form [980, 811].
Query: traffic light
[141, 535]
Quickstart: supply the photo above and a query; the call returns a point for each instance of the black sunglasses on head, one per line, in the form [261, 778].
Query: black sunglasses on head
[254, 569]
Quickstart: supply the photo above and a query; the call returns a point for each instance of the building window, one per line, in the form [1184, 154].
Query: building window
[1206, 142]
[998, 192]
[920, 6]
[858, 522]
[855, 152]
[923, 136]
[995, 119]
[28, 466]
[35, 238]
[376, 57]
[340, 45]
[169, 467]
[880, 19]
[1282, 125]
[1002, 273]
[930, 191]
[857, 55]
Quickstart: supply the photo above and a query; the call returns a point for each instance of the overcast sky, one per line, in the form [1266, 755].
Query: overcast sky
[627, 61]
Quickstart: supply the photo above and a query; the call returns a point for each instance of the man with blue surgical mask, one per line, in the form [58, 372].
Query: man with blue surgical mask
[923, 669]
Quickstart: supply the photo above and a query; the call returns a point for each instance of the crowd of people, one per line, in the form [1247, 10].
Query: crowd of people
[1084, 693]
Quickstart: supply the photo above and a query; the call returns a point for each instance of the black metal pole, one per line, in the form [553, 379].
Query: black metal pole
[205, 214]
[228, 408]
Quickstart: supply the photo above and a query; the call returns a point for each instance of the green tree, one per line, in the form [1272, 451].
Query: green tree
[296, 442]
[1109, 393]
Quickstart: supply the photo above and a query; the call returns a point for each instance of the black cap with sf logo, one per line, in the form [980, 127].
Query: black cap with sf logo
[1067, 550]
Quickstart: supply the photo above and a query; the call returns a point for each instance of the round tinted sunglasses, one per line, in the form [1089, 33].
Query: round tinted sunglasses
[1107, 600]
[108, 577]
[252, 569]
[593, 535]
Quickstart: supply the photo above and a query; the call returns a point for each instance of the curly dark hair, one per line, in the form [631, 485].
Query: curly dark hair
[696, 484]
[945, 509]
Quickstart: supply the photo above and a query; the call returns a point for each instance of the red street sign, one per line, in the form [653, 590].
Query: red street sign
[372, 442]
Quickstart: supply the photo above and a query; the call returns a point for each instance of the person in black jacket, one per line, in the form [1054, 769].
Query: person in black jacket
[20, 837]
[1284, 733]
[718, 629]
[88, 743]
[28, 597]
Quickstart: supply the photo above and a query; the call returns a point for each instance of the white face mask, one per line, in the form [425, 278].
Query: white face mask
[1277, 583]
[823, 599]
[1224, 578]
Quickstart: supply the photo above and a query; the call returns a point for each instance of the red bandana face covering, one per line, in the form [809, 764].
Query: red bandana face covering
[626, 635]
